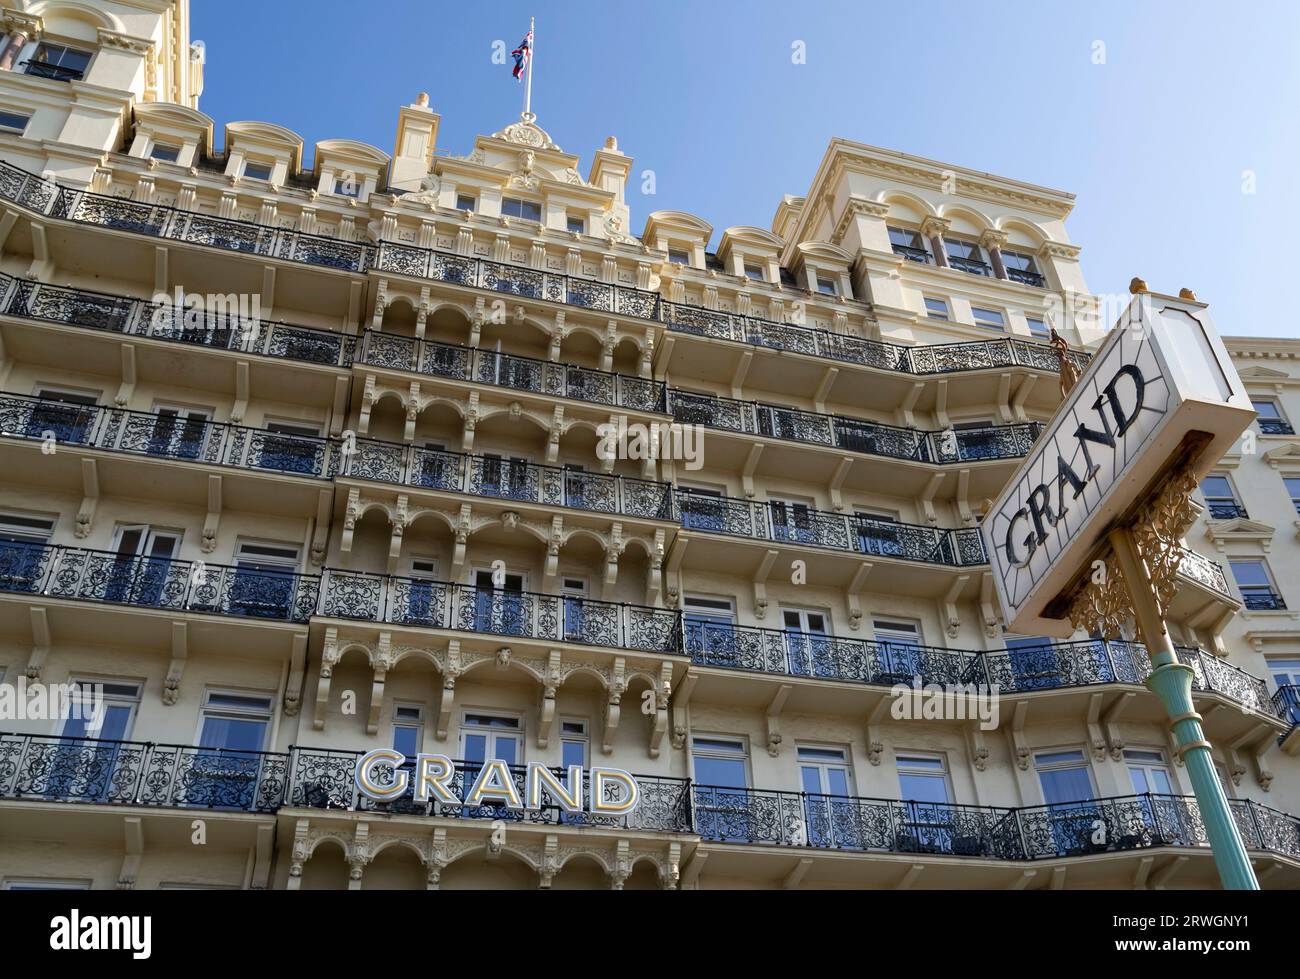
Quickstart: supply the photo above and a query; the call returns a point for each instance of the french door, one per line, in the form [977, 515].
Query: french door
[142, 560]
[808, 650]
[502, 609]
[178, 432]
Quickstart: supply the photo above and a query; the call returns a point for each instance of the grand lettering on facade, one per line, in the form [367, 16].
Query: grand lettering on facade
[613, 792]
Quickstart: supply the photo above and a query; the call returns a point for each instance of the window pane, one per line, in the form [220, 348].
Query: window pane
[1066, 785]
[727, 772]
[1216, 487]
[233, 732]
[1250, 573]
[922, 788]
[1267, 409]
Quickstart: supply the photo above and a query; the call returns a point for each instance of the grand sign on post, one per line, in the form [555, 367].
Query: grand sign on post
[1160, 391]
[1107, 482]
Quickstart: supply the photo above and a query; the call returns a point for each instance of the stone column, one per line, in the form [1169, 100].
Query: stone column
[993, 242]
[934, 229]
[13, 47]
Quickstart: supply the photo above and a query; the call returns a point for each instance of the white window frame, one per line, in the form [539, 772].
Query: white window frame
[5, 127]
[931, 314]
[395, 722]
[737, 739]
[986, 324]
[207, 709]
[517, 731]
[944, 773]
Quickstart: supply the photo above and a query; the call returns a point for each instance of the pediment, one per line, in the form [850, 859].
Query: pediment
[1239, 529]
[1257, 373]
[1284, 453]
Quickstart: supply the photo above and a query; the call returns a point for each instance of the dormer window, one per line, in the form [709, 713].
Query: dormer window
[257, 171]
[165, 153]
[1021, 268]
[13, 122]
[678, 257]
[466, 202]
[755, 272]
[61, 63]
[347, 187]
[827, 287]
[513, 207]
[576, 224]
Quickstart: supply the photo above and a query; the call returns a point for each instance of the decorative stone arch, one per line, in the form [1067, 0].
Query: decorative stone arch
[1037, 237]
[913, 202]
[53, 10]
[981, 221]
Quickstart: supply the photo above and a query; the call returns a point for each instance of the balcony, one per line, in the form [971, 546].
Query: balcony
[820, 528]
[1024, 669]
[505, 479]
[169, 584]
[870, 438]
[158, 221]
[162, 436]
[136, 317]
[802, 654]
[515, 280]
[927, 359]
[132, 773]
[1274, 426]
[432, 604]
[1286, 703]
[426, 357]
[1206, 573]
[137, 773]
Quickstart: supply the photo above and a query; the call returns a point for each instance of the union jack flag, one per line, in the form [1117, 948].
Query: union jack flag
[522, 54]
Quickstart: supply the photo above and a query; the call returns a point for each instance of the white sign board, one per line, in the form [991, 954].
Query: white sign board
[1160, 376]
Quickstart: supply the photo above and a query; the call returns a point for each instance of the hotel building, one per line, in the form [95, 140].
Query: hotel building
[300, 461]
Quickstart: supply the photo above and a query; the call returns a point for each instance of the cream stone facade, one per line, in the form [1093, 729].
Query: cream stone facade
[302, 462]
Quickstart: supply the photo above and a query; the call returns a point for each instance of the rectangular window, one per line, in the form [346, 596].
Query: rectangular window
[408, 729]
[14, 122]
[1021, 268]
[922, 778]
[513, 207]
[1292, 484]
[1258, 591]
[1221, 498]
[40, 884]
[487, 737]
[235, 721]
[754, 272]
[678, 257]
[466, 202]
[257, 171]
[58, 62]
[1064, 776]
[720, 761]
[988, 317]
[1038, 328]
[909, 244]
[26, 528]
[168, 154]
[576, 224]
[827, 287]
[1271, 420]
[120, 701]
[899, 646]
[936, 309]
[573, 742]
[967, 256]
[347, 187]
[1148, 772]
[824, 770]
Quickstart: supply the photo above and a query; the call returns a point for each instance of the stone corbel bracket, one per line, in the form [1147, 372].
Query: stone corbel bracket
[875, 740]
[171, 690]
[663, 696]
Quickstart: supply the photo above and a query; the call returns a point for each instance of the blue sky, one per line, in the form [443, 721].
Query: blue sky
[1194, 104]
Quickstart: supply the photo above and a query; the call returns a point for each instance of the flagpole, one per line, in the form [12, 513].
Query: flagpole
[528, 81]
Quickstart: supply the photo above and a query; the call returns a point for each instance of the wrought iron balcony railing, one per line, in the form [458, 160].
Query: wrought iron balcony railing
[507, 479]
[58, 73]
[871, 438]
[1226, 510]
[48, 197]
[89, 770]
[806, 654]
[133, 773]
[820, 528]
[1204, 572]
[323, 779]
[507, 370]
[1022, 669]
[498, 611]
[1274, 426]
[219, 328]
[1286, 704]
[155, 582]
[163, 436]
[1027, 278]
[516, 280]
[973, 266]
[912, 254]
[1263, 601]
[940, 358]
